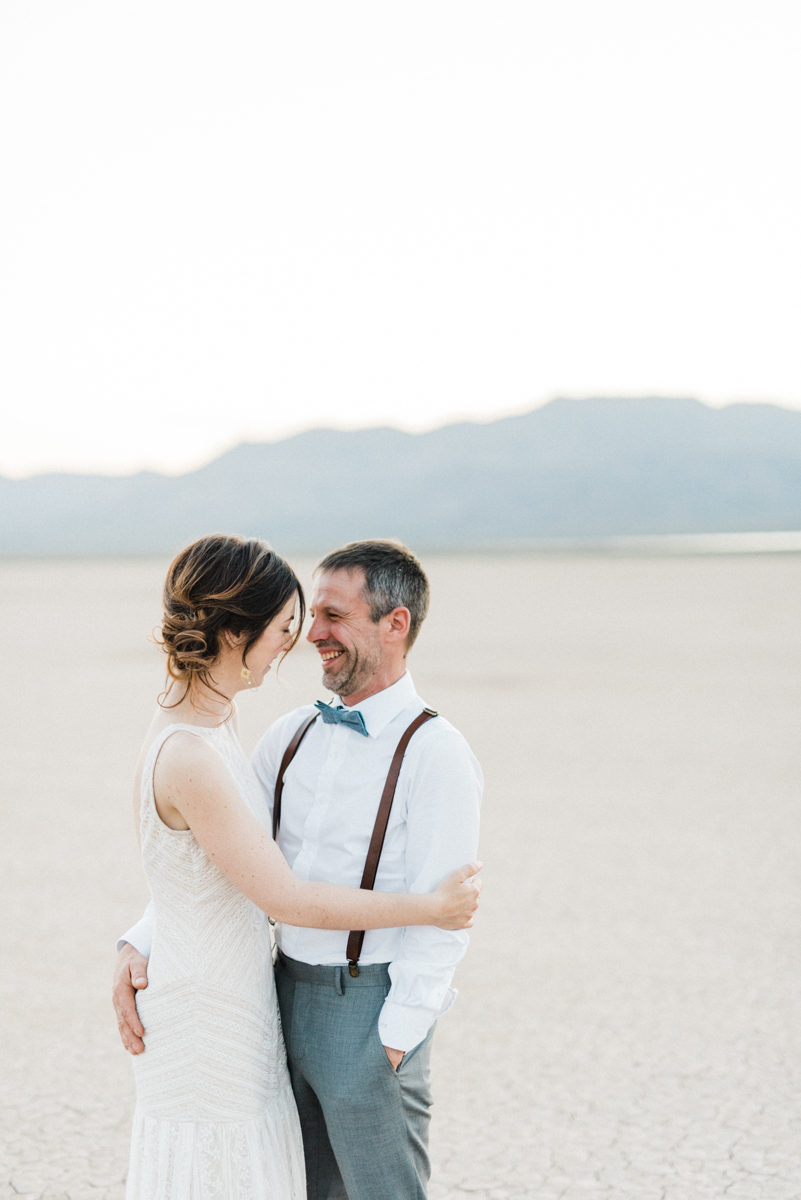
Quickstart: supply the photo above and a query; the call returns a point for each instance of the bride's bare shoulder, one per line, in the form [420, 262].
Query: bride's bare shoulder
[184, 753]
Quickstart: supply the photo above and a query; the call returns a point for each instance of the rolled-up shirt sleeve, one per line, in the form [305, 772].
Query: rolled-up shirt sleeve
[444, 801]
[140, 936]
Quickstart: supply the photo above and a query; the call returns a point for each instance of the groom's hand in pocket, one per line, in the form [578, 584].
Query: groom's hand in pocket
[130, 975]
[395, 1057]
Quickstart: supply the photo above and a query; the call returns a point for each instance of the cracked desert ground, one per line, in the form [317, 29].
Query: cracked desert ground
[628, 1020]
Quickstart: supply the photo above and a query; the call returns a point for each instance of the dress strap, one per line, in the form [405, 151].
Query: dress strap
[147, 793]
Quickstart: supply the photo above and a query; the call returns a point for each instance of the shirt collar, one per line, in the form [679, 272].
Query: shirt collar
[383, 707]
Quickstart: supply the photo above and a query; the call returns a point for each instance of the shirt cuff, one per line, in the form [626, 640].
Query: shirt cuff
[140, 936]
[402, 1027]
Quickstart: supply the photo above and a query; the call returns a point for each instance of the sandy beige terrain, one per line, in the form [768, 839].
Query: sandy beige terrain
[628, 1024]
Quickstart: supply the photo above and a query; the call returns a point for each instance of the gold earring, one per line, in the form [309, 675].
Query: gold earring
[246, 675]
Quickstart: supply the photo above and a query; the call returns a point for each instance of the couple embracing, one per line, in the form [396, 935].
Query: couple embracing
[351, 827]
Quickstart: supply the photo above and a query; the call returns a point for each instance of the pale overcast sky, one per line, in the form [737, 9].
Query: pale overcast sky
[230, 220]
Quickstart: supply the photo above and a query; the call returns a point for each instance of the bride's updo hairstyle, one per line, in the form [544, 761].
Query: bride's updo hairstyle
[221, 582]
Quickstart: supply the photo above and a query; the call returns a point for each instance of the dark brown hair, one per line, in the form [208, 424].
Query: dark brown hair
[221, 582]
[393, 578]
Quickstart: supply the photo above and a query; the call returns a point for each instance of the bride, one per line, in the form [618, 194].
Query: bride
[215, 1117]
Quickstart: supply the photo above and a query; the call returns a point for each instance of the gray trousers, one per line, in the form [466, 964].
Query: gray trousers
[365, 1126]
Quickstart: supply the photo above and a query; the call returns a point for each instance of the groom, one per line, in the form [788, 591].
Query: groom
[358, 1037]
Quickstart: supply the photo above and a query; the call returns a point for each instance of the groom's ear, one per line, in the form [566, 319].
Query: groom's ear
[398, 623]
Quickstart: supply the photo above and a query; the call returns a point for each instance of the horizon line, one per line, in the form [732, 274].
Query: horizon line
[783, 541]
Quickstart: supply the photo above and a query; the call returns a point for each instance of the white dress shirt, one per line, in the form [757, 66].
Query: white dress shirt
[331, 793]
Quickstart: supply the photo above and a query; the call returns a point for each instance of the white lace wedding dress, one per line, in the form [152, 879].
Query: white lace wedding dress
[215, 1117]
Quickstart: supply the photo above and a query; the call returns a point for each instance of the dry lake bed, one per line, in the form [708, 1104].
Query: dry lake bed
[629, 1019]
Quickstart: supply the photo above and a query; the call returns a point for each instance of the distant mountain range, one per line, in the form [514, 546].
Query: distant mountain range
[571, 469]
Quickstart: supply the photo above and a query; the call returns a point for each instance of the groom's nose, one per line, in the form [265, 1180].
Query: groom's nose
[318, 630]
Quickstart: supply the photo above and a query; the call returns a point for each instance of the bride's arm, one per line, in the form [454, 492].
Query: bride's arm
[191, 779]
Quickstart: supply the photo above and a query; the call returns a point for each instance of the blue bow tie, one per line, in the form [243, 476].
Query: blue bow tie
[342, 716]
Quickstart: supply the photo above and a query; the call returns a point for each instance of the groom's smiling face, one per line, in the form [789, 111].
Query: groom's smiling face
[343, 632]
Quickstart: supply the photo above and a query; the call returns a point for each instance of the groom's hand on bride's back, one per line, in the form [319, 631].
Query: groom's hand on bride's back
[130, 975]
[457, 896]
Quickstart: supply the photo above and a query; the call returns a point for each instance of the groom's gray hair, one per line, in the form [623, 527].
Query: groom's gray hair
[393, 578]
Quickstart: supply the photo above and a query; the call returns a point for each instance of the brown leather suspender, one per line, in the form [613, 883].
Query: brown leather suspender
[356, 936]
[289, 754]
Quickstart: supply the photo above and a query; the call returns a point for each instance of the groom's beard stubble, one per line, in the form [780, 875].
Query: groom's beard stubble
[354, 672]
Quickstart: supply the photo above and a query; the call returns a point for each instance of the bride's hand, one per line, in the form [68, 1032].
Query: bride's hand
[456, 898]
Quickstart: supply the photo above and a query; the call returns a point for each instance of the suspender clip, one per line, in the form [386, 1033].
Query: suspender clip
[353, 967]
